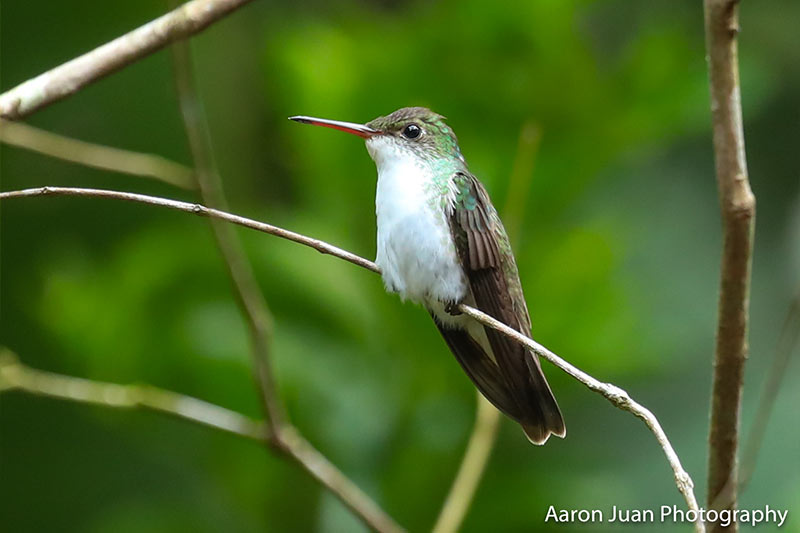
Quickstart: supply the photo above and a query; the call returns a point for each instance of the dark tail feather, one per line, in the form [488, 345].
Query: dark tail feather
[548, 419]
[526, 384]
[480, 369]
[533, 407]
[518, 368]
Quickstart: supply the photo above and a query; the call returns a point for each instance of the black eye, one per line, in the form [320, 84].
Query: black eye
[412, 131]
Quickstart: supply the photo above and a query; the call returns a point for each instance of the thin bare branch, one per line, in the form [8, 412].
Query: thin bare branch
[95, 155]
[200, 210]
[787, 343]
[479, 448]
[321, 469]
[614, 394]
[68, 78]
[530, 136]
[16, 376]
[738, 215]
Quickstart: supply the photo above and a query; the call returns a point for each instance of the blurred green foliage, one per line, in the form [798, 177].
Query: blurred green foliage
[618, 253]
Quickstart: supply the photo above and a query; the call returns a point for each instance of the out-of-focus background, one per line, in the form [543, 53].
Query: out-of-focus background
[617, 231]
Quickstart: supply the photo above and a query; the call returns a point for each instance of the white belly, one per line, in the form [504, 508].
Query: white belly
[416, 252]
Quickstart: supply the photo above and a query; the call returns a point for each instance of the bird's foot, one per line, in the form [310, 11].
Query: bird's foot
[452, 308]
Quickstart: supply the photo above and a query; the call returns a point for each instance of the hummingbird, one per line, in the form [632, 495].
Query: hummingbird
[441, 243]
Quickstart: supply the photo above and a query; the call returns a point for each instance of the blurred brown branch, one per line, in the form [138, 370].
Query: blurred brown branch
[738, 214]
[280, 433]
[614, 394]
[248, 294]
[519, 183]
[95, 155]
[70, 77]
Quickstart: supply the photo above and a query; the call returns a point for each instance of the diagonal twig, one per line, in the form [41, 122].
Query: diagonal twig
[16, 376]
[787, 342]
[614, 394]
[243, 283]
[519, 182]
[200, 210]
[70, 77]
[617, 396]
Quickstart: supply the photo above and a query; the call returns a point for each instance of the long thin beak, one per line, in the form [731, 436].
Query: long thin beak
[350, 127]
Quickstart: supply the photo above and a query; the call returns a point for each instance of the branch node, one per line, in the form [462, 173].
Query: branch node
[744, 207]
[276, 440]
[684, 481]
[618, 396]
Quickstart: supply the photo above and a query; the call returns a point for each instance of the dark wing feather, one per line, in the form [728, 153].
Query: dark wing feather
[481, 249]
[479, 237]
